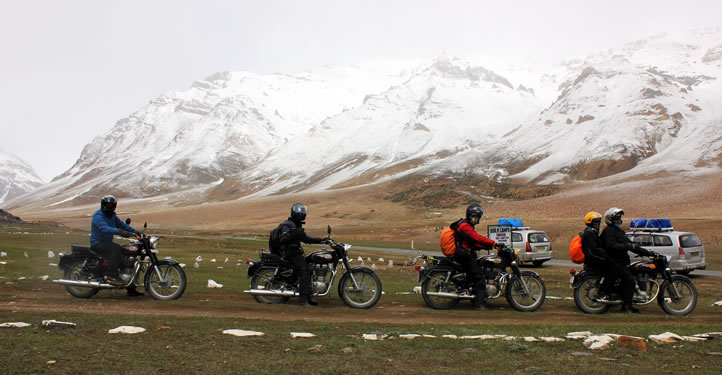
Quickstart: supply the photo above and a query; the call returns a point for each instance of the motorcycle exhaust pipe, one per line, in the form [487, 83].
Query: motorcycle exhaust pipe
[267, 292]
[449, 295]
[85, 284]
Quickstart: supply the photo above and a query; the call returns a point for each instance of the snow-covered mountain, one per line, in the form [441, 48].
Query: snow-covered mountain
[17, 177]
[648, 106]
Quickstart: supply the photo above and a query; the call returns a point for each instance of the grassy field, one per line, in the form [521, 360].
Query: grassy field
[185, 336]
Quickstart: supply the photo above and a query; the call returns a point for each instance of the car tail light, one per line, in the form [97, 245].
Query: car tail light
[550, 246]
[681, 251]
[528, 248]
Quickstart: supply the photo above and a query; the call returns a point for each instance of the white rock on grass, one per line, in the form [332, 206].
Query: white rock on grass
[44, 277]
[718, 303]
[552, 339]
[428, 336]
[3, 263]
[450, 337]
[51, 254]
[666, 338]
[213, 260]
[199, 259]
[14, 325]
[579, 335]
[391, 262]
[409, 336]
[127, 330]
[242, 333]
[417, 290]
[213, 284]
[694, 338]
[709, 335]
[225, 261]
[482, 337]
[196, 265]
[303, 335]
[370, 336]
[57, 324]
[531, 339]
[3, 254]
[381, 260]
[598, 342]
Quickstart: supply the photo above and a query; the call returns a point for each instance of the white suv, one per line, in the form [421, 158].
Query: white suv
[534, 245]
[685, 247]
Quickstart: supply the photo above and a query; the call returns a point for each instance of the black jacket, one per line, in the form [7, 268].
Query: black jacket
[616, 244]
[594, 254]
[292, 234]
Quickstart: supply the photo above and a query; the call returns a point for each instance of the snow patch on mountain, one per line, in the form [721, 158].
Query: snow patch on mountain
[17, 177]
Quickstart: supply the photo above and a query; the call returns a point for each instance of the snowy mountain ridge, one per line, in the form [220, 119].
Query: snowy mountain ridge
[17, 177]
[644, 107]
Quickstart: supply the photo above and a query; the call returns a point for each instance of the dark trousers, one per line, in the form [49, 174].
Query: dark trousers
[621, 271]
[474, 274]
[303, 272]
[111, 251]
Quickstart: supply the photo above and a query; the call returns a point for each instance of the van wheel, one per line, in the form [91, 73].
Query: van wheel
[537, 263]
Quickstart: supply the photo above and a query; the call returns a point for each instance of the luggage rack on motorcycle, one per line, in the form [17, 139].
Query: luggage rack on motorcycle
[651, 225]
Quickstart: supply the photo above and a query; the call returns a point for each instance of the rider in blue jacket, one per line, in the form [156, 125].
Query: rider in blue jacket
[104, 226]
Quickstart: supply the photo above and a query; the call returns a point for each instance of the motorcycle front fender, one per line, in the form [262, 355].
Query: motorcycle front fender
[167, 262]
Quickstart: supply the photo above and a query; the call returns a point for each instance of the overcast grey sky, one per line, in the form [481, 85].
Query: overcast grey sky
[70, 69]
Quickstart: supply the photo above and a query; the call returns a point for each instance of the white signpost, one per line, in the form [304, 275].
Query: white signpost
[501, 234]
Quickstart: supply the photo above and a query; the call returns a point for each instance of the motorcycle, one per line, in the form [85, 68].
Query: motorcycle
[84, 269]
[273, 280]
[444, 283]
[675, 294]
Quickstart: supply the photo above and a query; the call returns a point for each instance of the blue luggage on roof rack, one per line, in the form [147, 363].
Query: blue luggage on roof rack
[655, 224]
[514, 222]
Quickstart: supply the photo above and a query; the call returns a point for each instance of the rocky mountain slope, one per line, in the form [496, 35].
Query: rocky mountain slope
[17, 177]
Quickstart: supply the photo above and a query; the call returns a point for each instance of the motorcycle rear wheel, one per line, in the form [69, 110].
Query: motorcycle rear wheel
[369, 291]
[682, 305]
[170, 287]
[74, 271]
[522, 301]
[585, 296]
[436, 282]
[263, 279]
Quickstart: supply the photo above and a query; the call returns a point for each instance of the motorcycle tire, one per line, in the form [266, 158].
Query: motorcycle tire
[519, 299]
[436, 282]
[170, 287]
[686, 301]
[585, 296]
[369, 291]
[263, 279]
[74, 271]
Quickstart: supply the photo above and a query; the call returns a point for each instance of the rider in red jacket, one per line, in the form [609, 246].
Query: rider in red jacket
[469, 241]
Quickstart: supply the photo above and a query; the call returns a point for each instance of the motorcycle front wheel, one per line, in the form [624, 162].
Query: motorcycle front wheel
[436, 282]
[586, 294]
[170, 286]
[683, 301]
[368, 292]
[75, 272]
[529, 299]
[263, 279]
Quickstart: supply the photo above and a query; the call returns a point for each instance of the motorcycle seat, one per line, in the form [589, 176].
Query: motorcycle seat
[83, 250]
[446, 261]
[272, 258]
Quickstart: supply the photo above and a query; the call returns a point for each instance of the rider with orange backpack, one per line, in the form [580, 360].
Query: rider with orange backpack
[467, 242]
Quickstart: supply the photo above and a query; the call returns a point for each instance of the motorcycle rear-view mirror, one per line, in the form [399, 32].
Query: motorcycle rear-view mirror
[127, 220]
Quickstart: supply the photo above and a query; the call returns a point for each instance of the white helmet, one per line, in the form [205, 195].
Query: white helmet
[613, 215]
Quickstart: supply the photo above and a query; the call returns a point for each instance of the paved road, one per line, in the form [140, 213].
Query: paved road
[553, 262]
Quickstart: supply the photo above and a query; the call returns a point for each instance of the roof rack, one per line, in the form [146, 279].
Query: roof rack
[651, 225]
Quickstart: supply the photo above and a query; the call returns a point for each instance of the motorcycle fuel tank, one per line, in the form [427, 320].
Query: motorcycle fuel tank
[321, 257]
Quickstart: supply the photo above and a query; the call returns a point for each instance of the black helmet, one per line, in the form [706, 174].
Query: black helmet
[474, 212]
[298, 212]
[108, 204]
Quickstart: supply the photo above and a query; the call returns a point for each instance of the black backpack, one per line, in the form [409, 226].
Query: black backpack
[274, 238]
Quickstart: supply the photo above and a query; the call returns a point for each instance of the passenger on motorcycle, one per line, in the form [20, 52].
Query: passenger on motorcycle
[468, 241]
[616, 244]
[594, 255]
[292, 234]
[104, 226]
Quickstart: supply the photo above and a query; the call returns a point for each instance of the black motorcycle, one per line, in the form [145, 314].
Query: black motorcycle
[84, 269]
[675, 294]
[444, 283]
[273, 279]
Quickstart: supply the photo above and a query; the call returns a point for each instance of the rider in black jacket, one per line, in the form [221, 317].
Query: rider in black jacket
[594, 255]
[292, 234]
[616, 244]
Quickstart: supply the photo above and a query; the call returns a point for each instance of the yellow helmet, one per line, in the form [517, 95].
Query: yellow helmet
[591, 216]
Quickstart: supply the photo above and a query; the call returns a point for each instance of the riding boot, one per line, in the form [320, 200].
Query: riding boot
[311, 301]
[305, 300]
[480, 295]
[629, 309]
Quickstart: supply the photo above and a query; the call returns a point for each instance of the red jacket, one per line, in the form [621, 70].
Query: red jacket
[472, 240]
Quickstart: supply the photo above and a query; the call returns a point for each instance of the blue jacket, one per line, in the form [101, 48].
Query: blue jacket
[103, 228]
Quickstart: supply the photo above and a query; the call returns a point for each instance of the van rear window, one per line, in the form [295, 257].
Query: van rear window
[689, 240]
[538, 237]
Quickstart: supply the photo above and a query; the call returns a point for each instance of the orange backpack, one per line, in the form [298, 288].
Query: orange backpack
[448, 239]
[575, 250]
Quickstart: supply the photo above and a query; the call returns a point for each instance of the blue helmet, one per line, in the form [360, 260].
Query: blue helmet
[298, 212]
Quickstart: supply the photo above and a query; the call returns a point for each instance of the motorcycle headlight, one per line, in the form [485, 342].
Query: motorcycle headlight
[346, 247]
[154, 242]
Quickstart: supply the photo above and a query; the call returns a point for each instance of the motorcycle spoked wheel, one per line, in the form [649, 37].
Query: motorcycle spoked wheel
[682, 305]
[170, 287]
[74, 271]
[585, 296]
[263, 279]
[519, 299]
[436, 282]
[369, 291]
